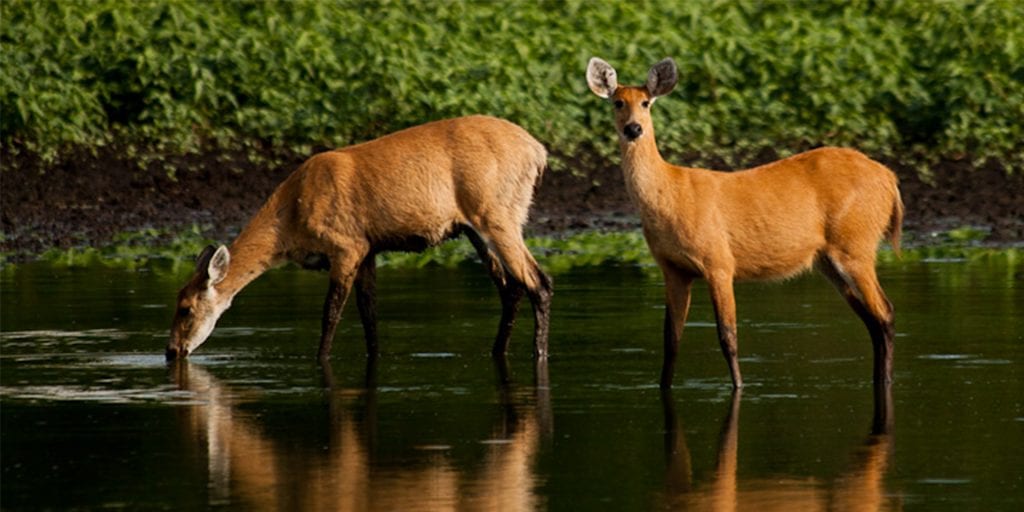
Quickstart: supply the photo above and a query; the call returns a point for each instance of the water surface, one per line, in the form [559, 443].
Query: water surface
[92, 417]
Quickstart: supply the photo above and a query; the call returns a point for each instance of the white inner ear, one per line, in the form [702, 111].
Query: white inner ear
[218, 267]
[601, 78]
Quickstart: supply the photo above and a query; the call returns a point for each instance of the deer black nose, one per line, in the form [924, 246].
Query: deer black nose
[632, 131]
[172, 353]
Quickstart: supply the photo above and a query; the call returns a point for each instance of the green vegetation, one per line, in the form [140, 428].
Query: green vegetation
[556, 255]
[912, 80]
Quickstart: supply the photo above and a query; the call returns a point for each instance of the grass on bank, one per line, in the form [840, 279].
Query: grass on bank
[555, 254]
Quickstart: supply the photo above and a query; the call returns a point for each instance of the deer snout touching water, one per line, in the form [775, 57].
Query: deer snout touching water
[827, 208]
[406, 191]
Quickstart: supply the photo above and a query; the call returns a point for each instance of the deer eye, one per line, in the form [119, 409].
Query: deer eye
[619, 104]
[646, 103]
[184, 311]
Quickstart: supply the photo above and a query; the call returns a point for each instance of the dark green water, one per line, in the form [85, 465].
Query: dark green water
[92, 417]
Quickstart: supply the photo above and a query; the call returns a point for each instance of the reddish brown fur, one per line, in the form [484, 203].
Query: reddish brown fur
[828, 208]
[406, 191]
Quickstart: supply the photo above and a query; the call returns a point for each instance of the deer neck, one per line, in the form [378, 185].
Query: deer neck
[258, 248]
[645, 171]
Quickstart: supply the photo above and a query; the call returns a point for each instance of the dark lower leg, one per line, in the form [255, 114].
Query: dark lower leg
[677, 307]
[671, 349]
[727, 340]
[366, 299]
[510, 294]
[878, 320]
[725, 314]
[882, 340]
[509, 291]
[882, 421]
[541, 300]
[333, 305]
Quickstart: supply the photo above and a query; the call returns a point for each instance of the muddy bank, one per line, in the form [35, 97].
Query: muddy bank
[88, 200]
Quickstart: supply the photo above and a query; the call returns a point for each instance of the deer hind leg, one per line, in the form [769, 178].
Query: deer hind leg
[720, 284]
[520, 267]
[858, 284]
[366, 299]
[509, 290]
[344, 268]
[677, 307]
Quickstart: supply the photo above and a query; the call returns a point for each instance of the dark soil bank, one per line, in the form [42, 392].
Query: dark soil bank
[87, 201]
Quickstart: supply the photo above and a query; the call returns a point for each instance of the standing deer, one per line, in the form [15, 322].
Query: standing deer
[827, 208]
[406, 191]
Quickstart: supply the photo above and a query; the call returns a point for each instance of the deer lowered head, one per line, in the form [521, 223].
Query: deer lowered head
[200, 303]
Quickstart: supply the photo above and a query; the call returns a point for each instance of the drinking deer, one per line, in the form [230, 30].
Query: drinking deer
[827, 208]
[405, 191]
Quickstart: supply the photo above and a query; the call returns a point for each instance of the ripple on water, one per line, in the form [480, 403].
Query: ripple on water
[433, 355]
[84, 393]
[944, 357]
[966, 360]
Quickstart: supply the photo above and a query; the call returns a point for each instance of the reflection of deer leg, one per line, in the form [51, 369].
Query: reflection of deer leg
[542, 393]
[370, 380]
[862, 486]
[502, 372]
[724, 489]
[882, 421]
[678, 467]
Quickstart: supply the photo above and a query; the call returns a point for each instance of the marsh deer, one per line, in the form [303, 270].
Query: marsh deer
[406, 191]
[827, 208]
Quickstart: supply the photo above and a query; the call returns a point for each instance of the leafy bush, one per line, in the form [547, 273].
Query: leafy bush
[912, 80]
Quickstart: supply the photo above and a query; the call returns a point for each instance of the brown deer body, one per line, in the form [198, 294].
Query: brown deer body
[827, 209]
[406, 191]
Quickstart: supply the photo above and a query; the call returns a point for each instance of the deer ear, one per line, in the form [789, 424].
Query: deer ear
[217, 269]
[212, 264]
[662, 78]
[601, 78]
[203, 259]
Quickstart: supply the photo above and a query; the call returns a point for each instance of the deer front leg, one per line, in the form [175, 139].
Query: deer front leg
[724, 302]
[343, 273]
[677, 307]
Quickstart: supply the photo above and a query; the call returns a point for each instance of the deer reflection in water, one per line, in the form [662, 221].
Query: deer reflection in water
[859, 488]
[248, 466]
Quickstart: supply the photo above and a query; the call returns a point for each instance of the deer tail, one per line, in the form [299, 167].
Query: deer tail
[896, 223]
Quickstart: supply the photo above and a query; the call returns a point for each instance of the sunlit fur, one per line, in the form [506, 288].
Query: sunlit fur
[826, 208]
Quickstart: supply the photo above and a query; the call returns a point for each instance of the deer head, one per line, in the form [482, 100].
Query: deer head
[632, 104]
[199, 303]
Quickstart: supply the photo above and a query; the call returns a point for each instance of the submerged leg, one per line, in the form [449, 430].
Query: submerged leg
[521, 268]
[510, 292]
[858, 284]
[343, 273]
[677, 307]
[366, 299]
[724, 302]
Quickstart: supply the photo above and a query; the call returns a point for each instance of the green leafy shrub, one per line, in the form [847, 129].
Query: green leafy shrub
[911, 80]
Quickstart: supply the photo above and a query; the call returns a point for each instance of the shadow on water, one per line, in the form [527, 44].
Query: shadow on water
[859, 487]
[251, 467]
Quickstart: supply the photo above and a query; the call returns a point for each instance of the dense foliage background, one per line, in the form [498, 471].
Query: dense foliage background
[909, 80]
